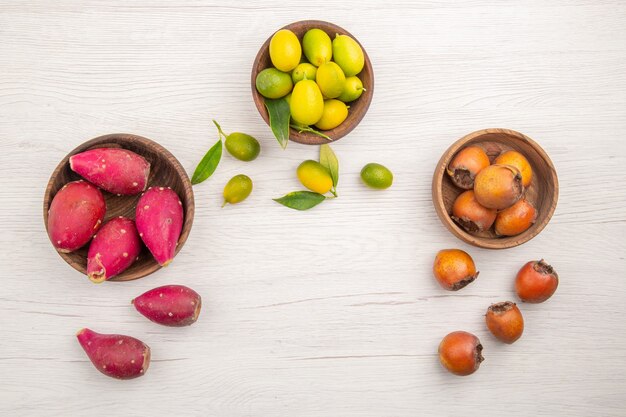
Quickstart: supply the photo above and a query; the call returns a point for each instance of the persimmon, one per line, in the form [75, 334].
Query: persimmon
[498, 186]
[466, 164]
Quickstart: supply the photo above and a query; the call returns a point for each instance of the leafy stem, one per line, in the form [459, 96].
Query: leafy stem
[219, 130]
[309, 129]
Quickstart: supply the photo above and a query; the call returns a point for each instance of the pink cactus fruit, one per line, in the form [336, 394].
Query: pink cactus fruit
[115, 355]
[118, 171]
[159, 219]
[170, 305]
[75, 214]
[113, 249]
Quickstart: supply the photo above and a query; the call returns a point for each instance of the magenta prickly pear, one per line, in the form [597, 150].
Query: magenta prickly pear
[75, 214]
[159, 219]
[115, 355]
[170, 305]
[113, 249]
[118, 171]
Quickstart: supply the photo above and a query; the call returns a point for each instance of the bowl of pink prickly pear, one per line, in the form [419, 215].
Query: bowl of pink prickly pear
[118, 207]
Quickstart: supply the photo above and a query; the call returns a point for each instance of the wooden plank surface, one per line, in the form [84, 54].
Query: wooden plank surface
[331, 312]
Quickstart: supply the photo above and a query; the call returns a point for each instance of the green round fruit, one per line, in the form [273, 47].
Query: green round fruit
[330, 79]
[315, 176]
[303, 71]
[376, 176]
[335, 112]
[348, 54]
[285, 50]
[237, 189]
[307, 103]
[243, 147]
[272, 83]
[317, 47]
[352, 90]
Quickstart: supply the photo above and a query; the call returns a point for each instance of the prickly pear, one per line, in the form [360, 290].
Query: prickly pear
[159, 219]
[113, 249]
[118, 171]
[170, 305]
[75, 214]
[115, 355]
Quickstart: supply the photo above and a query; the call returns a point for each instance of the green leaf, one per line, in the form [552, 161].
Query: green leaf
[207, 166]
[279, 119]
[329, 160]
[302, 128]
[301, 200]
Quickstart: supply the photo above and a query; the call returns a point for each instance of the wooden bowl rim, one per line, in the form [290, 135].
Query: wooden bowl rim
[187, 197]
[483, 242]
[351, 121]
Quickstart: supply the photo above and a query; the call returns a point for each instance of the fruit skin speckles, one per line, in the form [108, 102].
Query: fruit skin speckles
[170, 305]
[116, 356]
[454, 269]
[498, 186]
[113, 250]
[125, 172]
[159, 229]
[75, 215]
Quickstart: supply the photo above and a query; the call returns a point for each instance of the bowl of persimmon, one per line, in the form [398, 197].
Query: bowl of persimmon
[495, 188]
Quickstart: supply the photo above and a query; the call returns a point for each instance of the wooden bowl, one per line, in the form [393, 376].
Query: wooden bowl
[543, 191]
[358, 108]
[165, 170]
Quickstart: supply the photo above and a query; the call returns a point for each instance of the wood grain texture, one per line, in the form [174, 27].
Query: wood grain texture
[542, 193]
[358, 108]
[165, 171]
[330, 312]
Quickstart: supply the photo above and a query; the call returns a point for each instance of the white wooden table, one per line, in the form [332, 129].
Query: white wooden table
[331, 312]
